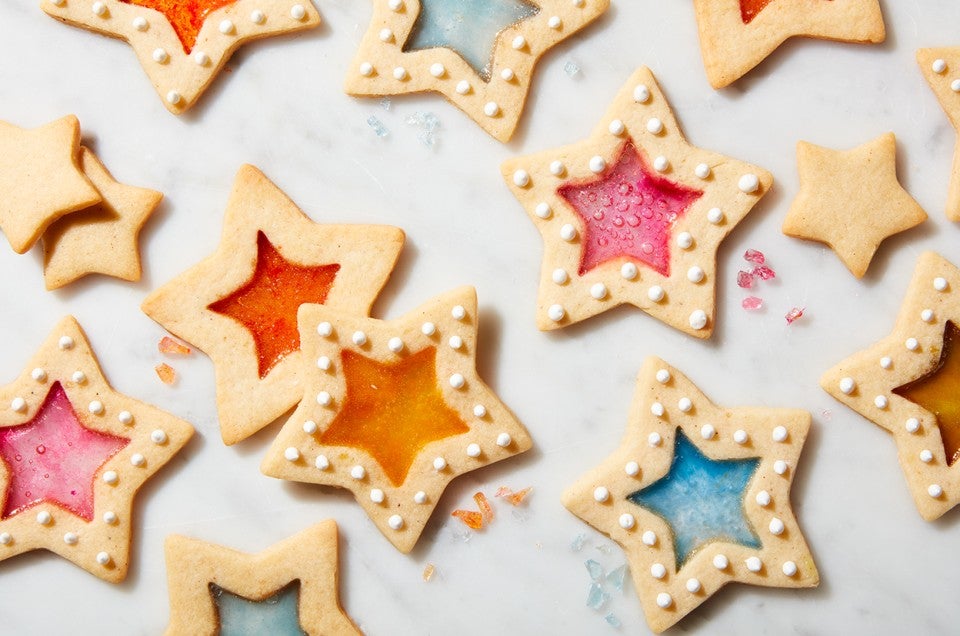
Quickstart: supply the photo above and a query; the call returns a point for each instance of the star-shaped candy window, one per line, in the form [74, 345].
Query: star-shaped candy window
[278, 614]
[698, 496]
[736, 35]
[73, 453]
[267, 305]
[183, 44]
[629, 212]
[701, 499]
[939, 67]
[479, 54]
[908, 384]
[54, 458]
[633, 214]
[289, 589]
[468, 27]
[393, 411]
[239, 305]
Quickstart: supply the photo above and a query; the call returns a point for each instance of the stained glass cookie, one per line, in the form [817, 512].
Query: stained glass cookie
[633, 215]
[479, 54]
[698, 496]
[240, 304]
[183, 44]
[907, 383]
[394, 410]
[73, 453]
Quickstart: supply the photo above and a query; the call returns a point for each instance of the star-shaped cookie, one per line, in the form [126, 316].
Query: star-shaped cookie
[698, 496]
[939, 67]
[851, 200]
[102, 238]
[479, 54]
[633, 214]
[239, 305]
[290, 588]
[183, 45]
[908, 384]
[736, 35]
[40, 179]
[73, 453]
[394, 410]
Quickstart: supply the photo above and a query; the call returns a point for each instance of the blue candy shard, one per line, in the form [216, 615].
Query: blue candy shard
[617, 577]
[467, 27]
[571, 68]
[577, 544]
[701, 499]
[612, 620]
[595, 570]
[377, 126]
[596, 597]
[278, 615]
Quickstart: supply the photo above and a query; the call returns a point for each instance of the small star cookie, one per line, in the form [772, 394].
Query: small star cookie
[908, 383]
[239, 305]
[736, 35]
[290, 587]
[393, 411]
[73, 453]
[102, 238]
[851, 200]
[479, 54]
[940, 67]
[40, 179]
[698, 496]
[633, 214]
[183, 45]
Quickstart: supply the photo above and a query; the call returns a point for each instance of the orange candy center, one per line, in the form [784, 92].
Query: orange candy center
[749, 9]
[392, 410]
[267, 305]
[185, 16]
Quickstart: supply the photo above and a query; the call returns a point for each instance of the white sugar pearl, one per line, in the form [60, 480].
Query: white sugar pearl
[658, 570]
[955, 86]
[376, 496]
[455, 342]
[911, 344]
[685, 404]
[663, 376]
[507, 74]
[521, 178]
[702, 170]
[359, 338]
[111, 477]
[685, 240]
[695, 274]
[707, 431]
[325, 329]
[779, 434]
[554, 22]
[395, 5]
[399, 73]
[754, 564]
[721, 562]
[780, 467]
[38, 374]
[657, 409]
[44, 518]
[358, 472]
[71, 538]
[926, 315]
[715, 215]
[479, 410]
[654, 125]
[880, 402]
[935, 490]
[257, 16]
[322, 462]
[504, 440]
[457, 381]
[616, 127]
[926, 456]
[632, 469]
[324, 398]
[847, 385]
[292, 454]
[543, 211]
[557, 168]
[789, 568]
[125, 417]
[139, 23]
[160, 56]
[597, 164]
[395, 522]
[226, 27]
[661, 164]
[693, 585]
[749, 183]
[200, 58]
[776, 527]
[698, 320]
[568, 232]
[324, 363]
[137, 460]
[560, 276]
[438, 70]
[99, 9]
[763, 499]
[473, 450]
[627, 521]
[654, 439]
[886, 362]
[65, 343]
[491, 109]
[420, 497]
[656, 293]
[518, 42]
[298, 12]
[428, 329]
[598, 291]
[740, 436]
[939, 66]
[912, 425]
[601, 494]
[940, 284]
[18, 405]
[629, 271]
[641, 94]
[95, 407]
[103, 558]
[158, 437]
[439, 463]
[463, 87]
[310, 427]
[173, 97]
[366, 69]
[386, 35]
[649, 538]
[556, 313]
[664, 600]
[110, 517]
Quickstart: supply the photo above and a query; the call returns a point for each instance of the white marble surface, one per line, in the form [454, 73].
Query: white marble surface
[280, 107]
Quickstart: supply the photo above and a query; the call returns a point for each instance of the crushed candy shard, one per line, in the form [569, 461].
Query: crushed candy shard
[754, 256]
[378, 127]
[428, 572]
[473, 520]
[794, 314]
[596, 571]
[514, 498]
[577, 544]
[166, 373]
[763, 272]
[744, 279]
[612, 620]
[752, 303]
[596, 597]
[170, 346]
[571, 68]
[484, 506]
[616, 577]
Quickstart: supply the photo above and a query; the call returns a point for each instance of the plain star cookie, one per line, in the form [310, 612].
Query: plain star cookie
[633, 214]
[479, 54]
[940, 67]
[394, 410]
[102, 238]
[183, 44]
[290, 588]
[851, 200]
[698, 496]
[736, 35]
[908, 384]
[239, 305]
[40, 179]
[73, 453]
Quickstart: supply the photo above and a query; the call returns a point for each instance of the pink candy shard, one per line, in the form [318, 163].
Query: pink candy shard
[752, 303]
[171, 346]
[763, 272]
[745, 279]
[754, 256]
[794, 314]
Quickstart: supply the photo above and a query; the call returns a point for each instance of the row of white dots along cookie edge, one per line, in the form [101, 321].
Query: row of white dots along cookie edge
[940, 67]
[848, 385]
[226, 27]
[748, 183]
[439, 71]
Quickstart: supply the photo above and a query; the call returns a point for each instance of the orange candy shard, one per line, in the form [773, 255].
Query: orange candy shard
[185, 16]
[171, 346]
[428, 572]
[166, 373]
[267, 305]
[484, 506]
[392, 410]
[514, 498]
[473, 520]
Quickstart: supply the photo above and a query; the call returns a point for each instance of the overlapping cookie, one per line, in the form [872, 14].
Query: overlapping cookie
[940, 67]
[240, 304]
[394, 410]
[633, 214]
[698, 496]
[907, 383]
[288, 589]
[183, 44]
[73, 453]
[479, 55]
